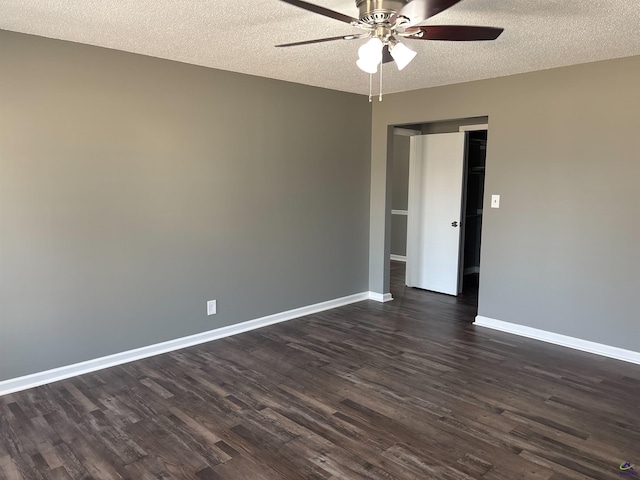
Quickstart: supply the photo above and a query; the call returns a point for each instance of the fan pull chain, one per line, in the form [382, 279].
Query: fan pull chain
[380, 97]
[370, 87]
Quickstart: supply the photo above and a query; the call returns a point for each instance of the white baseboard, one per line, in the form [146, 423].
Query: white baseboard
[558, 339]
[41, 378]
[379, 297]
[398, 258]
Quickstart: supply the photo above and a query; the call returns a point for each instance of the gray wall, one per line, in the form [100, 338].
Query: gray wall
[399, 235]
[450, 126]
[134, 189]
[561, 254]
[400, 193]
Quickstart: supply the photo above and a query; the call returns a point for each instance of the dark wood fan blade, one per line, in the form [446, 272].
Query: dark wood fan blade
[322, 11]
[419, 10]
[319, 40]
[386, 55]
[456, 33]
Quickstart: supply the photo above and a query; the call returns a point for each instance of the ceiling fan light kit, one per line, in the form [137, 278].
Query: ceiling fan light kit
[384, 21]
[370, 55]
[402, 55]
[368, 67]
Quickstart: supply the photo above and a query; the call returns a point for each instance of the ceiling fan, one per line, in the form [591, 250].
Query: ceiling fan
[385, 21]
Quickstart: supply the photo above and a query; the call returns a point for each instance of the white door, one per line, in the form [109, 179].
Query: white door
[436, 180]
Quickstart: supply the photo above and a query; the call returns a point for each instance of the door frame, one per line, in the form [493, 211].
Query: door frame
[404, 129]
[474, 128]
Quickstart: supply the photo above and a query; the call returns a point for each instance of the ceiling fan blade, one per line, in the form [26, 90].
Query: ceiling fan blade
[455, 33]
[419, 10]
[322, 11]
[320, 40]
[386, 55]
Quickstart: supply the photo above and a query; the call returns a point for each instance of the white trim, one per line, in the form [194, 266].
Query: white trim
[558, 339]
[379, 297]
[399, 212]
[473, 128]
[399, 258]
[41, 378]
[406, 132]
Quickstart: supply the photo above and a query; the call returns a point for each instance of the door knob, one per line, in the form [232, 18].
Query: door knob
[454, 224]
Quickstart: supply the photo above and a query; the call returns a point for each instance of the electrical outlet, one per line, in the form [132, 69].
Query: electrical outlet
[212, 307]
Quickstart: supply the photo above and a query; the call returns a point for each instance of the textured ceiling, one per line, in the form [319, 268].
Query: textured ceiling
[239, 36]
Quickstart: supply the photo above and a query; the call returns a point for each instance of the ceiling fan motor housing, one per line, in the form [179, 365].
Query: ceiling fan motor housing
[374, 12]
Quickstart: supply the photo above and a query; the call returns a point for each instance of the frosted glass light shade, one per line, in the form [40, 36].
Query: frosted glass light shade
[366, 66]
[371, 52]
[402, 55]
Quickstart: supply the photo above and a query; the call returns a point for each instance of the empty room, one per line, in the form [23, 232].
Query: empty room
[338, 239]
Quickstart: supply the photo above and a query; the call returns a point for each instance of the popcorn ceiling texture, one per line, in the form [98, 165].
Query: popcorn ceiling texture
[240, 37]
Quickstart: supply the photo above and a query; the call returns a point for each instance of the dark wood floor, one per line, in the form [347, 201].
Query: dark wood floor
[405, 390]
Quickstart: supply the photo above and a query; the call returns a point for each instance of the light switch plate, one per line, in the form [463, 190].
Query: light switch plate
[495, 201]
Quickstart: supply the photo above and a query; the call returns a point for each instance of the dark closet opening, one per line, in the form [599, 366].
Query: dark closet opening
[476, 161]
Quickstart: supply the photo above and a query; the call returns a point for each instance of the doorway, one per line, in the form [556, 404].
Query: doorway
[474, 192]
[472, 201]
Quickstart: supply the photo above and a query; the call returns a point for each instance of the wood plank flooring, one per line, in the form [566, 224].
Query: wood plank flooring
[403, 390]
